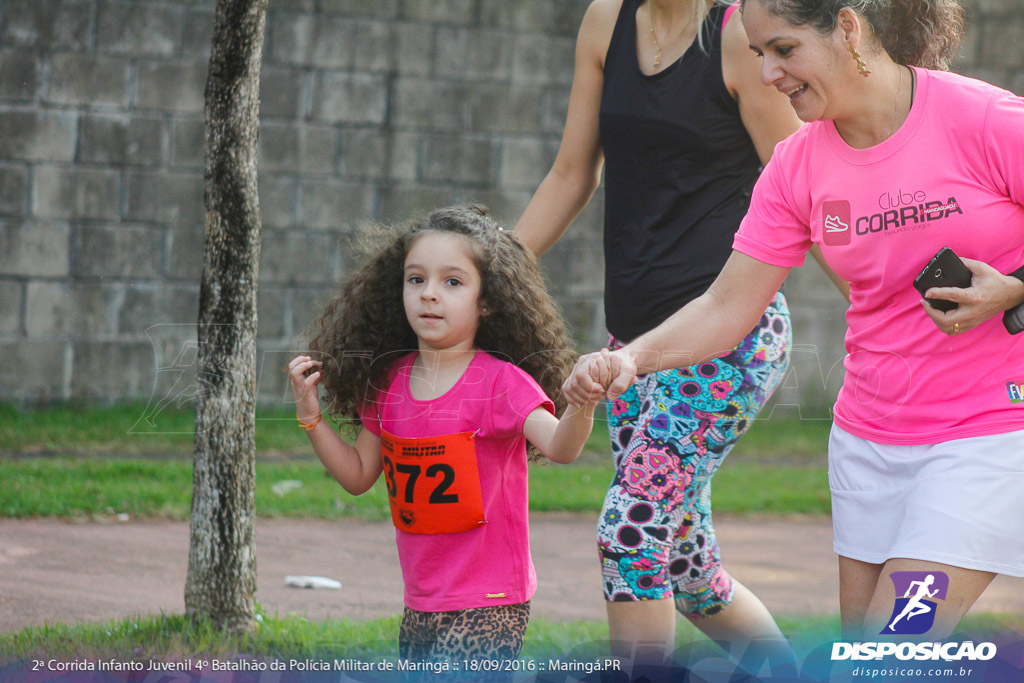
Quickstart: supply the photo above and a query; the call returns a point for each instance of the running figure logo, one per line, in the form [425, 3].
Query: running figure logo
[914, 613]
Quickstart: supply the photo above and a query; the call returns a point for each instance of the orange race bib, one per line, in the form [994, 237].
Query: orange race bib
[433, 483]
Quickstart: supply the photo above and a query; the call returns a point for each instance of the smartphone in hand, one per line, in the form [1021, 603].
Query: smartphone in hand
[944, 270]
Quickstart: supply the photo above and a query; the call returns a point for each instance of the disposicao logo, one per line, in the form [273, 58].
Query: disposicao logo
[914, 612]
[922, 652]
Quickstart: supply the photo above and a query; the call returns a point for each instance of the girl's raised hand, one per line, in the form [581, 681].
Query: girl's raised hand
[304, 387]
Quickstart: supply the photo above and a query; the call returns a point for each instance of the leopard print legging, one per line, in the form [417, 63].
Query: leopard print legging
[493, 633]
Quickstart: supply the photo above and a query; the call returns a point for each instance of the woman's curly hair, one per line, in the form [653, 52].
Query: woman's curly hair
[923, 33]
[363, 330]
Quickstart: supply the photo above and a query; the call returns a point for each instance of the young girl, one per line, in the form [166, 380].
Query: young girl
[446, 346]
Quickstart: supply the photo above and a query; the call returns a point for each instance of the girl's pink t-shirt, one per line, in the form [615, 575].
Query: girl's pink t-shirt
[951, 176]
[490, 565]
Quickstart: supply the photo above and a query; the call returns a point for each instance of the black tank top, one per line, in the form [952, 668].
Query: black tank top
[679, 168]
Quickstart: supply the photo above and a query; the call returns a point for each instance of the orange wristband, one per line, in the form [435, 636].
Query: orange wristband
[305, 425]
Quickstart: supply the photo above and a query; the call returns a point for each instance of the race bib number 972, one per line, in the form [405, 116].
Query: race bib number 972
[433, 483]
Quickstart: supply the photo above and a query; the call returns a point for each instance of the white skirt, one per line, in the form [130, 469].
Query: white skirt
[960, 502]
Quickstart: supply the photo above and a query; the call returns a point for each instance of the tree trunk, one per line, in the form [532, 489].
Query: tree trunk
[221, 582]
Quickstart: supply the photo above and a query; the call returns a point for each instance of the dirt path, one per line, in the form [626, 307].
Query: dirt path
[59, 572]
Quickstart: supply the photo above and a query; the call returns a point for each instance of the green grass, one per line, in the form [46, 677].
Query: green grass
[172, 637]
[95, 488]
[94, 463]
[162, 489]
[787, 440]
[136, 429]
[131, 428]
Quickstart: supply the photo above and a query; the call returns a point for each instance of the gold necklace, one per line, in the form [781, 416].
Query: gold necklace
[895, 107]
[657, 45]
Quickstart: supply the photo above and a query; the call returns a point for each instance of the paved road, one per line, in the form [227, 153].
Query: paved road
[53, 571]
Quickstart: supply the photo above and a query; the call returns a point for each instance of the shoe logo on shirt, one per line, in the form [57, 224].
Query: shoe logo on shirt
[916, 595]
[836, 218]
[1016, 391]
[835, 224]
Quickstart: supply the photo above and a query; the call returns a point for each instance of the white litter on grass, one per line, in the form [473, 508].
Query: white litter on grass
[283, 487]
[312, 582]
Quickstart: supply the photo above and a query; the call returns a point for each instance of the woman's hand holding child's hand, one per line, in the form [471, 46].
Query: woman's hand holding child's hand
[600, 374]
[304, 387]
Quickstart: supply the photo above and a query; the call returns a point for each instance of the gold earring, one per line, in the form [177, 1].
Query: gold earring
[862, 66]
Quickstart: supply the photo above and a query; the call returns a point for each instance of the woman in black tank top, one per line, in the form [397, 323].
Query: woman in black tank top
[667, 100]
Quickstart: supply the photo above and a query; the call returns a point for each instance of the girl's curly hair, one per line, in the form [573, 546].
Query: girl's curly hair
[364, 329]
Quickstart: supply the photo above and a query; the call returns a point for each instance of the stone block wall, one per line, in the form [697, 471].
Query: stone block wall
[371, 110]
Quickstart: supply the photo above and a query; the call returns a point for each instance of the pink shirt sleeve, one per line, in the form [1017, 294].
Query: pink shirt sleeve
[1004, 140]
[517, 395]
[775, 230]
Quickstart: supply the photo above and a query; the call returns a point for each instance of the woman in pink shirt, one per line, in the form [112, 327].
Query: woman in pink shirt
[899, 159]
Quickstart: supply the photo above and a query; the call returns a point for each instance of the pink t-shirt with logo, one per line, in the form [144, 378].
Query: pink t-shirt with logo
[951, 176]
[490, 565]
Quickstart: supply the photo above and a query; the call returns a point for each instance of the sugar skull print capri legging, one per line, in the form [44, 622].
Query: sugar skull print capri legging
[669, 434]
